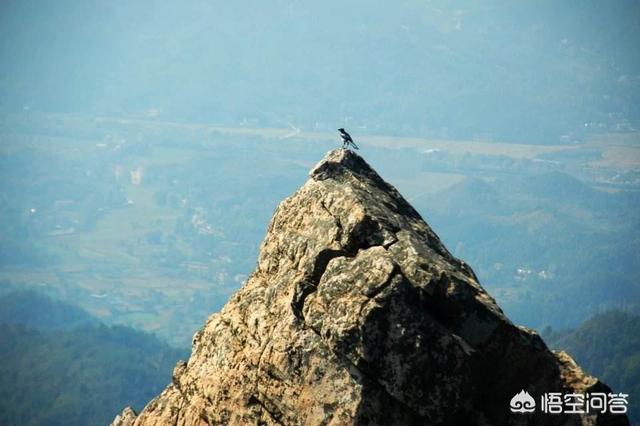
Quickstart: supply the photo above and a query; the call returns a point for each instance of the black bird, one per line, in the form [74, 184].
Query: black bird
[346, 139]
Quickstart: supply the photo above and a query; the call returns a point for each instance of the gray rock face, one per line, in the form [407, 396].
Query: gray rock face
[358, 314]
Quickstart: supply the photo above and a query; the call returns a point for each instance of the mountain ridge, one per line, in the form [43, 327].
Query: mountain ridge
[358, 314]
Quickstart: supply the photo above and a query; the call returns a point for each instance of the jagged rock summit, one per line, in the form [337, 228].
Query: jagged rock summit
[358, 314]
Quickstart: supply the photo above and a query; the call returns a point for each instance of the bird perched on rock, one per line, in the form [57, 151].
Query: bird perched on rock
[346, 139]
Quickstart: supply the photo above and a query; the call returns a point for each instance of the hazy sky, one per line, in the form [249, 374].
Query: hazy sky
[517, 70]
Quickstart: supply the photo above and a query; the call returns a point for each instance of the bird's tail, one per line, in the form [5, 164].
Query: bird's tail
[354, 145]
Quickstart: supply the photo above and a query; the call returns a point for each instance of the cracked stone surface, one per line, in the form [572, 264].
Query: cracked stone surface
[358, 314]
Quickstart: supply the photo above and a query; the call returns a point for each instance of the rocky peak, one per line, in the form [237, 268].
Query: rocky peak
[358, 314]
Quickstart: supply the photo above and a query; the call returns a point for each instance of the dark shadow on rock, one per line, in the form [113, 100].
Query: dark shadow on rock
[417, 371]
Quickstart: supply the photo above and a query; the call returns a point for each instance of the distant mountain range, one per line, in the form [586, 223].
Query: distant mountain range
[607, 345]
[60, 366]
[546, 240]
